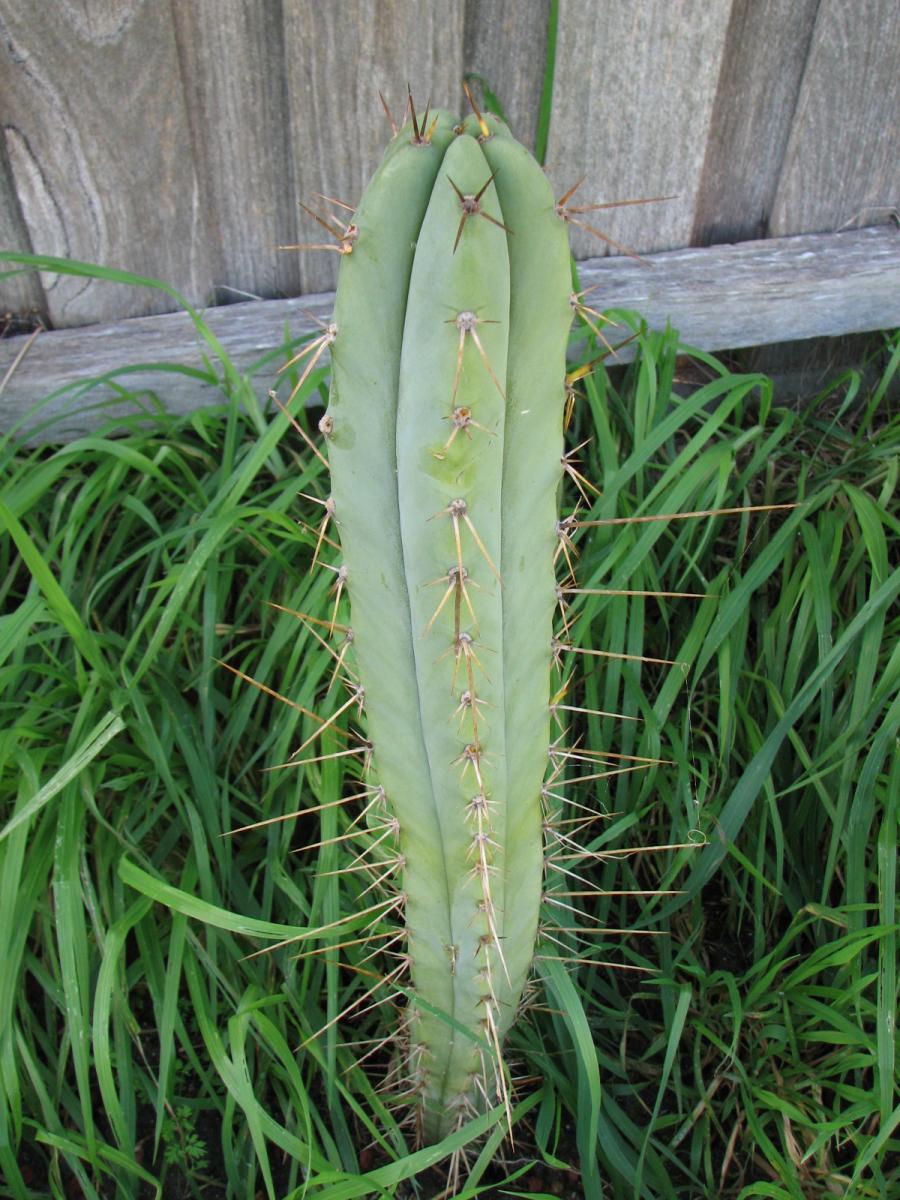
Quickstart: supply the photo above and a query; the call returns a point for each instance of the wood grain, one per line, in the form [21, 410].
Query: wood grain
[718, 298]
[176, 140]
[100, 151]
[633, 98]
[21, 293]
[756, 293]
[762, 68]
[842, 164]
[507, 44]
[232, 63]
[338, 57]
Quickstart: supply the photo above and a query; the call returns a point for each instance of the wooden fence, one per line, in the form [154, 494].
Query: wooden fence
[176, 139]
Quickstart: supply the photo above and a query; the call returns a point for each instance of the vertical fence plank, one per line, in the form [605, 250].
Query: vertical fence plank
[101, 152]
[633, 99]
[338, 58]
[843, 157]
[506, 44]
[232, 64]
[762, 67]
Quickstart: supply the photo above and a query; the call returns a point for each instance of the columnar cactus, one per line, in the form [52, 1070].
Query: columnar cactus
[444, 437]
[444, 433]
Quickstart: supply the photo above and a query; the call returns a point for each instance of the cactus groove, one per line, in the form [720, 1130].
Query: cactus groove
[444, 436]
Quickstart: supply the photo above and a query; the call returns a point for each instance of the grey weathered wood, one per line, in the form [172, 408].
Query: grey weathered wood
[632, 103]
[62, 363]
[843, 158]
[718, 298]
[762, 68]
[22, 293]
[174, 140]
[755, 293]
[507, 45]
[101, 154]
[338, 57]
[232, 63]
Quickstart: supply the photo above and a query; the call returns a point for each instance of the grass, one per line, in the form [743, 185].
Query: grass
[142, 1052]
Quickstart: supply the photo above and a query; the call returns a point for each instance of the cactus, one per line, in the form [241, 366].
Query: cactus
[444, 436]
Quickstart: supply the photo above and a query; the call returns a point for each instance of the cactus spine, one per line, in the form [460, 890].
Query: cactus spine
[444, 434]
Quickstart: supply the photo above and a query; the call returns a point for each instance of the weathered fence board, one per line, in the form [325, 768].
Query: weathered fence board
[99, 145]
[632, 104]
[718, 298]
[762, 68]
[232, 66]
[843, 158]
[177, 140]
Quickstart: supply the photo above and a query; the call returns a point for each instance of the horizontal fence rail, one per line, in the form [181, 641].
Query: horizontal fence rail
[721, 297]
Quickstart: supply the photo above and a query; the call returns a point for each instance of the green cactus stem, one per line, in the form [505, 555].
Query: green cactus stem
[444, 436]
